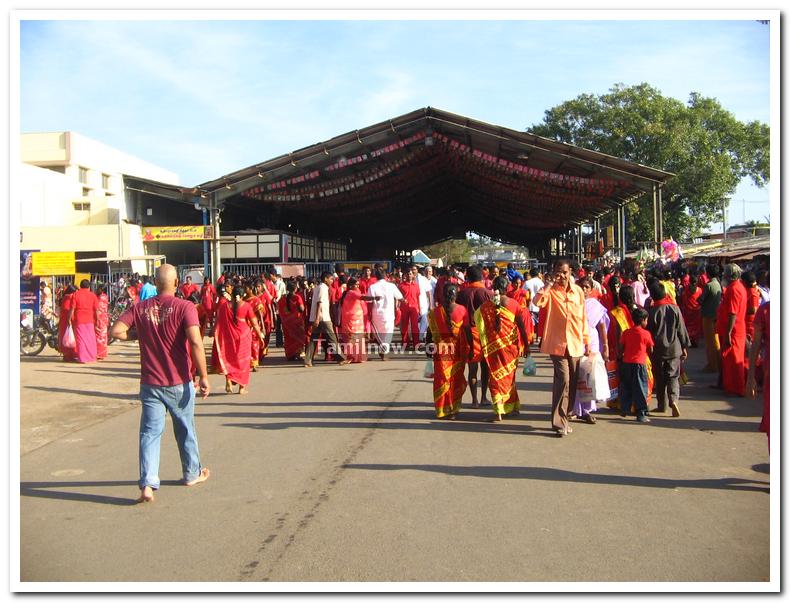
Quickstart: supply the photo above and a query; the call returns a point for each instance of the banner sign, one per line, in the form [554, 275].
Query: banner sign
[177, 233]
[80, 276]
[53, 263]
[28, 284]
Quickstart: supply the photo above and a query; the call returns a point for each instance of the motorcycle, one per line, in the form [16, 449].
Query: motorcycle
[35, 334]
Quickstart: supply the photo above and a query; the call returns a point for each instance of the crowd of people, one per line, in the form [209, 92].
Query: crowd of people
[475, 322]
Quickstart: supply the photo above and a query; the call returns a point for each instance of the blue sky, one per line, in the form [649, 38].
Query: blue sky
[204, 98]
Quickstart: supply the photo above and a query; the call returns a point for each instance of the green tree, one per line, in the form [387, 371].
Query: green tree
[708, 149]
[452, 251]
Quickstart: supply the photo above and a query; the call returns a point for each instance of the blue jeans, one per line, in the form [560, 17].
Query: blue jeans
[633, 388]
[179, 401]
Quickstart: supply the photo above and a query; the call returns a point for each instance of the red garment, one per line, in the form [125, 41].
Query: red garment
[762, 322]
[450, 382]
[606, 300]
[753, 301]
[66, 304]
[500, 351]
[665, 301]
[85, 306]
[620, 317]
[411, 293]
[690, 309]
[292, 319]
[133, 293]
[207, 295]
[203, 319]
[266, 313]
[102, 326]
[271, 289]
[734, 301]
[187, 289]
[161, 323]
[636, 341]
[365, 284]
[439, 290]
[231, 352]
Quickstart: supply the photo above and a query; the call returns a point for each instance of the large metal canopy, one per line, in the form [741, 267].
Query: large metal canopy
[427, 176]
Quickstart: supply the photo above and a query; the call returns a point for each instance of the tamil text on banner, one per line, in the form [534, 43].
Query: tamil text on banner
[177, 233]
[52, 263]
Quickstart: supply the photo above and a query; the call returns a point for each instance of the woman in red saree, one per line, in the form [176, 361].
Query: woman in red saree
[291, 308]
[133, 291]
[208, 293]
[690, 308]
[102, 321]
[522, 297]
[500, 325]
[258, 310]
[231, 349]
[264, 315]
[66, 306]
[352, 322]
[449, 331]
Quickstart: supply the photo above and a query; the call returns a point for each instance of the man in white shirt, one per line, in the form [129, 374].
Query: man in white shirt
[425, 300]
[383, 314]
[533, 285]
[322, 322]
[433, 280]
[280, 287]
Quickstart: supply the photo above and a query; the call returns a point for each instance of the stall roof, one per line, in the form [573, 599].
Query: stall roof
[430, 175]
[736, 249]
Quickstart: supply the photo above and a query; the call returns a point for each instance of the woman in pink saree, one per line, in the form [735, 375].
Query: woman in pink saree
[353, 321]
[102, 321]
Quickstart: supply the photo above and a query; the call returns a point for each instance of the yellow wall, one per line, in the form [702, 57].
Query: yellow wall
[45, 148]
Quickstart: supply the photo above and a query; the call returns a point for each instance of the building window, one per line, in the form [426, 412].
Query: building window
[84, 175]
[82, 206]
[86, 192]
[105, 181]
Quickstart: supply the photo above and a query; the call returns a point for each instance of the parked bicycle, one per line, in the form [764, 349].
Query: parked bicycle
[37, 334]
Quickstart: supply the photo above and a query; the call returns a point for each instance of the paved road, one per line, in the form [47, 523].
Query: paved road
[342, 473]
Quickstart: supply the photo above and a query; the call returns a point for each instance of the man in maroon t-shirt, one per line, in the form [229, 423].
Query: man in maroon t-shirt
[168, 332]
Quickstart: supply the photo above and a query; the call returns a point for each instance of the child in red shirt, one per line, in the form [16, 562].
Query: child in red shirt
[635, 345]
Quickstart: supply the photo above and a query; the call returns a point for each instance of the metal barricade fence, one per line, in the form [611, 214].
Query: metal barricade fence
[247, 270]
[314, 269]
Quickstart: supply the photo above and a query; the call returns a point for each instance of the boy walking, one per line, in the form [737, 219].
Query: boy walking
[635, 345]
[671, 341]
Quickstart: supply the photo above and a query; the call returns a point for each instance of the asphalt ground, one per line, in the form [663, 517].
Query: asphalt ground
[343, 474]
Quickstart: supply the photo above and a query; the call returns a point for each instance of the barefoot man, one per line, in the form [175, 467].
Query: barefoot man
[168, 333]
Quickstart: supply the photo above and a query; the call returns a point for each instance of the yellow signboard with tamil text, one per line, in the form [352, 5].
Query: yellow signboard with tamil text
[176, 233]
[53, 263]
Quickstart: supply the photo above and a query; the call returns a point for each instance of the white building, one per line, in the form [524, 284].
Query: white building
[72, 197]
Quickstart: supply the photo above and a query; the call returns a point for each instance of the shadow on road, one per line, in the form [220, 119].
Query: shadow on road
[100, 372]
[42, 490]
[84, 392]
[561, 475]
[478, 425]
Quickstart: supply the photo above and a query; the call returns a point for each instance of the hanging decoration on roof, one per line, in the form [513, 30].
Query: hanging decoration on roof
[563, 180]
[522, 186]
